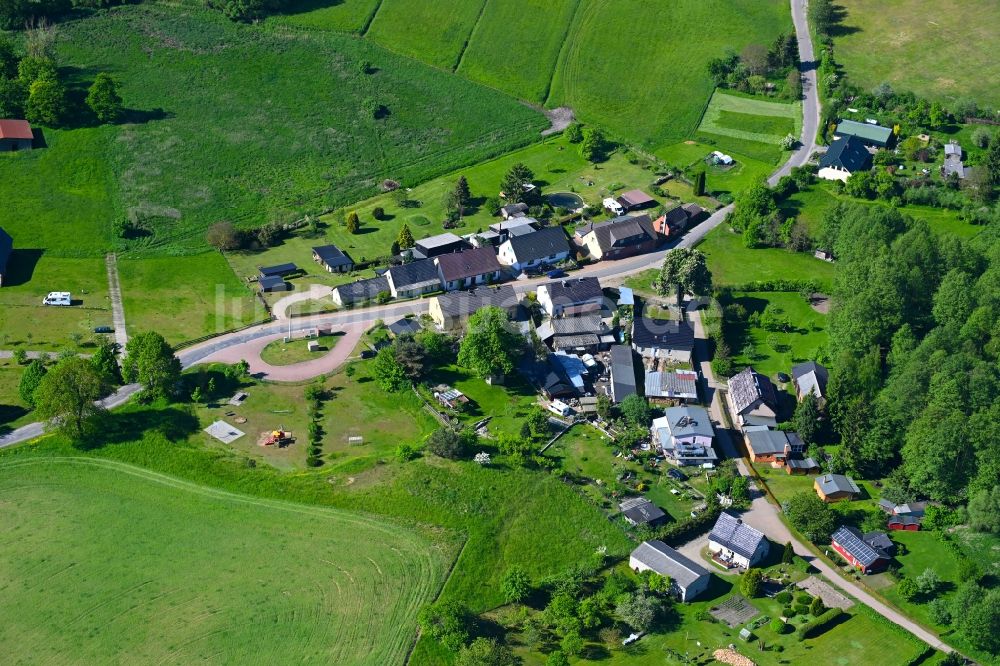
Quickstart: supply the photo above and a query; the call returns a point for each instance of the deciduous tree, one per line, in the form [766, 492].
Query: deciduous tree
[516, 585]
[150, 361]
[490, 345]
[810, 515]
[389, 373]
[103, 98]
[65, 396]
[46, 102]
[514, 182]
[30, 379]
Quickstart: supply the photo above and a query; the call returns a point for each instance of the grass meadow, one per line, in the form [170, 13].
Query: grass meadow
[638, 68]
[753, 127]
[340, 15]
[718, 179]
[435, 33]
[102, 559]
[732, 263]
[941, 51]
[220, 127]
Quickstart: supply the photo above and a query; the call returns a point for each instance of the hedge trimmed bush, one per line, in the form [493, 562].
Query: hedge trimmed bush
[816, 626]
[777, 626]
[783, 598]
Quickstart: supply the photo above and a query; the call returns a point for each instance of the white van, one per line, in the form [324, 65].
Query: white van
[57, 298]
[561, 408]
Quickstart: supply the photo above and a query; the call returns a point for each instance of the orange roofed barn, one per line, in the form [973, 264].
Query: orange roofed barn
[15, 135]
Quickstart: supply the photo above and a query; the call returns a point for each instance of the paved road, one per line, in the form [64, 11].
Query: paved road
[115, 292]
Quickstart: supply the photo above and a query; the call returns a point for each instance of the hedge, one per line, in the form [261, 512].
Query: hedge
[816, 626]
[686, 528]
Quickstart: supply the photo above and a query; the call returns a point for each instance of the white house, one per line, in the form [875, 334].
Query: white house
[734, 542]
[544, 247]
[571, 297]
[685, 435]
[687, 579]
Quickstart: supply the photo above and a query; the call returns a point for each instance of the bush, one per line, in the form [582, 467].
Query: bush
[816, 626]
[783, 597]
[313, 461]
[788, 611]
[801, 609]
[378, 213]
[777, 626]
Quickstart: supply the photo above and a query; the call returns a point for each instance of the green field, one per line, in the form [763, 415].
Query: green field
[516, 44]
[184, 298]
[750, 126]
[807, 337]
[435, 33]
[718, 179]
[101, 560]
[340, 15]
[638, 68]
[223, 128]
[732, 263]
[942, 50]
[13, 411]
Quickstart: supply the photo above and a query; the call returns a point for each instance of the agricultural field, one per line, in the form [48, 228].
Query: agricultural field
[529, 34]
[189, 581]
[941, 51]
[753, 127]
[639, 69]
[202, 144]
[352, 16]
[185, 297]
[732, 263]
[26, 323]
[435, 33]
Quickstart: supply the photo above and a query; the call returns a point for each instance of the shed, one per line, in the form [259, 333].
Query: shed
[273, 283]
[15, 135]
[279, 270]
[333, 259]
[404, 326]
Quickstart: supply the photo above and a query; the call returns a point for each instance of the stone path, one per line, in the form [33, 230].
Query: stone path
[115, 293]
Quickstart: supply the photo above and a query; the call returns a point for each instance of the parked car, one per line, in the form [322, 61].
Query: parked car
[557, 273]
[104, 329]
[58, 298]
[367, 353]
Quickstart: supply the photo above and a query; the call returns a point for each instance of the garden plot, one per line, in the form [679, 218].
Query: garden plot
[750, 119]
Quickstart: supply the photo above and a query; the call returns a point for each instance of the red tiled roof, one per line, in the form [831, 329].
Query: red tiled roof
[15, 129]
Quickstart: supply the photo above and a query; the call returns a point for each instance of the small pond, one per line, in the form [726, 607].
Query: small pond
[566, 200]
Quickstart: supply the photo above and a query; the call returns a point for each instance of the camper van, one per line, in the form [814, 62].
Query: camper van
[57, 298]
[559, 407]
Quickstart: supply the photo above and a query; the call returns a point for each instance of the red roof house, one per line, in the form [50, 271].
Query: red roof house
[15, 135]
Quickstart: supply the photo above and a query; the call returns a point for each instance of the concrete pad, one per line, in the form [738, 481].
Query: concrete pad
[224, 432]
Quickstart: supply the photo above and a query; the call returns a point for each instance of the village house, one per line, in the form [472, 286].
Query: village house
[584, 333]
[771, 446]
[544, 247]
[514, 210]
[413, 279]
[836, 488]
[15, 135]
[617, 238]
[435, 246]
[360, 291]
[450, 312]
[871, 136]
[859, 549]
[671, 385]
[640, 511]
[687, 579]
[799, 466]
[568, 298]
[515, 226]
[6, 249]
[622, 372]
[734, 543]
[468, 268]
[685, 435]
[753, 398]
[332, 259]
[672, 222]
[953, 161]
[844, 157]
[810, 377]
[404, 326]
[663, 339]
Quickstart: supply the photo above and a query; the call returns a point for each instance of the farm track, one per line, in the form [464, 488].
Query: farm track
[470, 36]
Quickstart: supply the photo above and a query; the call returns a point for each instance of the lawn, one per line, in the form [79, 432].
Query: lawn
[203, 94]
[198, 574]
[718, 179]
[506, 404]
[639, 68]
[435, 33]
[340, 15]
[941, 51]
[13, 411]
[186, 297]
[753, 127]
[778, 351]
[556, 163]
[295, 248]
[280, 352]
[516, 44]
[732, 263]
[25, 322]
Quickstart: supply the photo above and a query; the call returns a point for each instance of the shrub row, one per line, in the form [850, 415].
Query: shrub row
[773, 285]
[689, 527]
[817, 625]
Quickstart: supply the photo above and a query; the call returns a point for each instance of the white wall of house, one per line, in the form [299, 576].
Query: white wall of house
[506, 257]
[832, 173]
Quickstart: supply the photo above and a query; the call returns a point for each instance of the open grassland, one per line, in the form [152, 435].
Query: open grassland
[60, 198]
[339, 15]
[638, 68]
[719, 179]
[732, 263]
[223, 128]
[25, 322]
[433, 32]
[516, 44]
[101, 560]
[184, 298]
[750, 126]
[944, 50]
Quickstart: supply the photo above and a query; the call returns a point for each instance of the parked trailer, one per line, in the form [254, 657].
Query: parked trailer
[58, 298]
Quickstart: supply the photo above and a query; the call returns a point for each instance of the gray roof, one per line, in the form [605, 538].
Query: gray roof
[676, 216]
[953, 164]
[641, 511]
[662, 334]
[575, 341]
[414, 274]
[622, 372]
[462, 303]
[279, 269]
[853, 542]
[811, 377]
[831, 483]
[734, 534]
[848, 153]
[747, 386]
[620, 231]
[575, 290]
[805, 463]
[362, 290]
[667, 384]
[332, 256]
[513, 223]
[636, 198]
[539, 244]
[666, 561]
[879, 541]
[404, 325]
[766, 442]
[439, 240]
[468, 263]
[587, 323]
[953, 148]
[6, 248]
[688, 421]
[514, 209]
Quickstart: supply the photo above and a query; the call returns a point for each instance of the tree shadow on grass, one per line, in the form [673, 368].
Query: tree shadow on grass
[117, 427]
[21, 266]
[10, 413]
